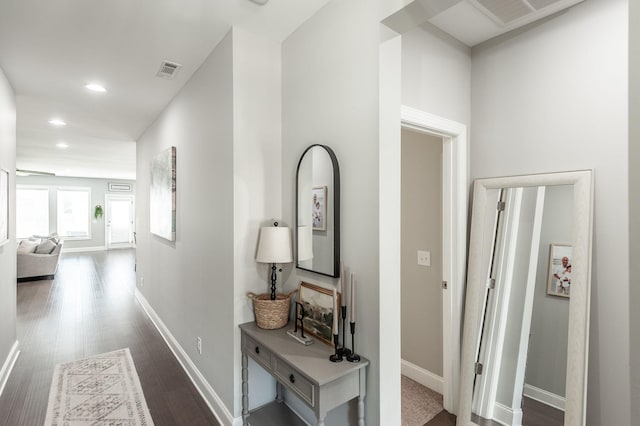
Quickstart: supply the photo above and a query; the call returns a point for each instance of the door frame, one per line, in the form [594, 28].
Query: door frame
[454, 234]
[107, 199]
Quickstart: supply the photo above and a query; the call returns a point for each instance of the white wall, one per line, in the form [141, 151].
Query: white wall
[330, 96]
[436, 74]
[225, 124]
[8, 250]
[555, 98]
[634, 202]
[189, 282]
[99, 189]
[257, 194]
[422, 230]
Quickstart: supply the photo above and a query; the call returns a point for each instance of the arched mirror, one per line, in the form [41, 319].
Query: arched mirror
[318, 211]
[525, 337]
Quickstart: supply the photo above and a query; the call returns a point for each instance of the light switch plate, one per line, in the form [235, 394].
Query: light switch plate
[424, 258]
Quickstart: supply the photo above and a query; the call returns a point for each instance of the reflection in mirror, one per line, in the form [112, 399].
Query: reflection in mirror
[531, 239]
[318, 211]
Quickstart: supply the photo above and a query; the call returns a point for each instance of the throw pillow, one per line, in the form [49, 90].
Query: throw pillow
[27, 246]
[45, 247]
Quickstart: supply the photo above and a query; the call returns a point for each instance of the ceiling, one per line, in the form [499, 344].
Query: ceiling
[50, 50]
[475, 21]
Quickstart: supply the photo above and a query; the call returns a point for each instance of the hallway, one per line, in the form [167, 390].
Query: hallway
[90, 309]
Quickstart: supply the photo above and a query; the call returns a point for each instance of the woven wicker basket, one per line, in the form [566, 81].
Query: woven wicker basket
[271, 314]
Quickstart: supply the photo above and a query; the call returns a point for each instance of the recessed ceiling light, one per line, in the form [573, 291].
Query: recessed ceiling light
[95, 87]
[57, 122]
[62, 145]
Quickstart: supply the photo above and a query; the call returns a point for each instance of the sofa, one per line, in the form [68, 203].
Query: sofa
[38, 258]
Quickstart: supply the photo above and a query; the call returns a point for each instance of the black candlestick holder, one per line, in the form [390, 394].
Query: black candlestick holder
[336, 357]
[343, 350]
[353, 356]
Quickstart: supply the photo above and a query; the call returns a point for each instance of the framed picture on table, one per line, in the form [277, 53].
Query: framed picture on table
[318, 311]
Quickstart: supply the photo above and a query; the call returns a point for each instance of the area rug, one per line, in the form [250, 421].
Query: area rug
[419, 403]
[102, 390]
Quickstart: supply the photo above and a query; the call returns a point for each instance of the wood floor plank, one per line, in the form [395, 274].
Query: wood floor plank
[90, 309]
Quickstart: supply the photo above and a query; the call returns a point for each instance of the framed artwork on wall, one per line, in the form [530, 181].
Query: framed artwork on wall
[318, 310]
[162, 192]
[319, 208]
[559, 281]
[4, 206]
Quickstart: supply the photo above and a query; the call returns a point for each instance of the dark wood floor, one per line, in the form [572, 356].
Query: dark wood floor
[90, 309]
[534, 414]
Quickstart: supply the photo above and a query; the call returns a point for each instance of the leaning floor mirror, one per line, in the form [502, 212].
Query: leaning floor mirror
[526, 325]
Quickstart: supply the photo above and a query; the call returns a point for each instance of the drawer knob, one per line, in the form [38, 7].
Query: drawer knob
[292, 378]
[257, 349]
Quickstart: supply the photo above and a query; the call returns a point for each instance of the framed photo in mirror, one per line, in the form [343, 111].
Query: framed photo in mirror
[559, 280]
[318, 311]
[319, 208]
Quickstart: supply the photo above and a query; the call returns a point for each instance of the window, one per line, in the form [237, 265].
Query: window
[73, 212]
[32, 212]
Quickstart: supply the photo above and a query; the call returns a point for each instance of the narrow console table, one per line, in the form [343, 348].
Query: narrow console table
[304, 370]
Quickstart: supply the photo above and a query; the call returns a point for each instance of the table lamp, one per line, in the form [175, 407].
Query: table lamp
[274, 246]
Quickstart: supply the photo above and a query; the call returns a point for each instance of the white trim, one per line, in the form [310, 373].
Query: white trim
[545, 397]
[422, 376]
[5, 372]
[204, 388]
[506, 233]
[506, 415]
[82, 249]
[527, 312]
[454, 225]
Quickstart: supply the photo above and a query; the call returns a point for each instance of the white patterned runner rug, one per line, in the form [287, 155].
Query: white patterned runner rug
[102, 390]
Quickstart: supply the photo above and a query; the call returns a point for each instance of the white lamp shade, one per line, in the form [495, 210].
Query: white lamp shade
[274, 245]
[305, 244]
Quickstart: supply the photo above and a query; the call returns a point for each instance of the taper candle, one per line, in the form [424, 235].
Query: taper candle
[353, 297]
[335, 311]
[343, 294]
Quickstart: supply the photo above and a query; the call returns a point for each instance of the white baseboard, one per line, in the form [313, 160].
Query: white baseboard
[422, 376]
[507, 415]
[82, 249]
[212, 399]
[12, 357]
[544, 396]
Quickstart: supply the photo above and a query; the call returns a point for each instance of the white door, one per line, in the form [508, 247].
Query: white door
[119, 221]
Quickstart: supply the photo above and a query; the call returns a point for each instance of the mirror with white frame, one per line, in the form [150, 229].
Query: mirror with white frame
[525, 337]
[318, 211]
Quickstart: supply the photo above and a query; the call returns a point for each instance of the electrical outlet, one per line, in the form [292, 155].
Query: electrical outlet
[199, 345]
[424, 258]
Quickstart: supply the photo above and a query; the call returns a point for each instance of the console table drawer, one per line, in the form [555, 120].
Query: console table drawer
[258, 352]
[294, 380]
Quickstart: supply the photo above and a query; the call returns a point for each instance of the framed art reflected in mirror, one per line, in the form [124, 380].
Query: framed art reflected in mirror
[559, 280]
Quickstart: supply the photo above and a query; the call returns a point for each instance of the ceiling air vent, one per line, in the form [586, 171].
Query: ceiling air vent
[168, 69]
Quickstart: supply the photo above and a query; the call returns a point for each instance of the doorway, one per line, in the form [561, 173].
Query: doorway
[454, 226]
[119, 221]
[421, 276]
